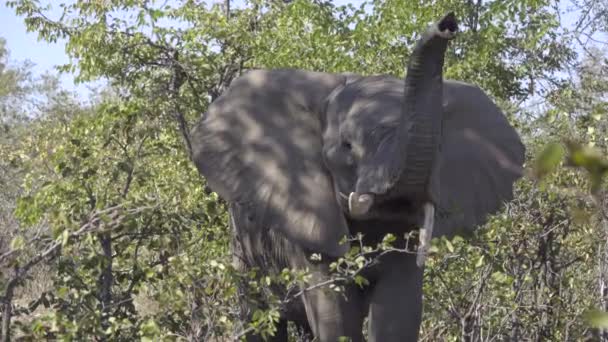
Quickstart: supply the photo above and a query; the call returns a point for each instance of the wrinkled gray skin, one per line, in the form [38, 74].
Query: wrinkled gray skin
[287, 148]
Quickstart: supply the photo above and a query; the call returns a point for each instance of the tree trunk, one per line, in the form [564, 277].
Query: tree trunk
[105, 280]
[466, 331]
[7, 311]
[603, 278]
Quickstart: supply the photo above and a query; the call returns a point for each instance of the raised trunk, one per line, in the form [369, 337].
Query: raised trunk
[415, 146]
[423, 109]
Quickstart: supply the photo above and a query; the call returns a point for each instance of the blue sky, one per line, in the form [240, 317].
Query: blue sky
[25, 46]
[45, 56]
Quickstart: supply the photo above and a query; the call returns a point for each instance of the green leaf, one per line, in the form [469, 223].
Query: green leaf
[149, 331]
[548, 160]
[361, 281]
[388, 239]
[449, 246]
[597, 319]
[17, 243]
[589, 159]
[65, 236]
[479, 262]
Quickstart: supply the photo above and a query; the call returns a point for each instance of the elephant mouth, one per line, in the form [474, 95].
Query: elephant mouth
[372, 206]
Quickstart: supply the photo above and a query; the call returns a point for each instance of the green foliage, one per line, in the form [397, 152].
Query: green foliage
[589, 159]
[121, 180]
[137, 248]
[520, 276]
[548, 160]
[598, 319]
[502, 45]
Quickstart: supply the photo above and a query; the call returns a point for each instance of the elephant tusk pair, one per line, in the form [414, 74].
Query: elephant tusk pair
[360, 204]
[425, 234]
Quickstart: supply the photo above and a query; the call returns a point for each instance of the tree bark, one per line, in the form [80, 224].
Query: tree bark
[602, 262]
[7, 311]
[105, 280]
[7, 308]
[603, 280]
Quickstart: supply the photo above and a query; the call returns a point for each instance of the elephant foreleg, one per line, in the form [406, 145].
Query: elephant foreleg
[332, 314]
[395, 310]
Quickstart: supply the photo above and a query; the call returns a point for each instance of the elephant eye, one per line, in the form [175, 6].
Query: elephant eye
[347, 145]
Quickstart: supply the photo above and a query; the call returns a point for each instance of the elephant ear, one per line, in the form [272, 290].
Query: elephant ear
[260, 144]
[482, 156]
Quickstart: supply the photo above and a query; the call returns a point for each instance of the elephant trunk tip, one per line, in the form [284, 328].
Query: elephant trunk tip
[448, 26]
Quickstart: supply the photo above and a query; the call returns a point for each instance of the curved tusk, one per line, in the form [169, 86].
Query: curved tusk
[359, 204]
[426, 234]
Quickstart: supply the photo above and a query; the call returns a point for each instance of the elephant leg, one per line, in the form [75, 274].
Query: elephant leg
[395, 310]
[331, 315]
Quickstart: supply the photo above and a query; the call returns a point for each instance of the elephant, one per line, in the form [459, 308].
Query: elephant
[305, 158]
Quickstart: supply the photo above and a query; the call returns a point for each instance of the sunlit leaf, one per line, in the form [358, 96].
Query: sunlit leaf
[589, 159]
[17, 243]
[548, 159]
[597, 319]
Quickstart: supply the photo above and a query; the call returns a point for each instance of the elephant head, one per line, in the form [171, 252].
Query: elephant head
[311, 151]
[402, 146]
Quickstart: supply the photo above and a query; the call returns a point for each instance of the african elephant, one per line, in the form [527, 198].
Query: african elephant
[305, 158]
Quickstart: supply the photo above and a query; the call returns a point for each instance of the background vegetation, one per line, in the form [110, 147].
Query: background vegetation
[107, 232]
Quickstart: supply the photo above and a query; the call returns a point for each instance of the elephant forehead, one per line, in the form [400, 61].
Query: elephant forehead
[370, 118]
[377, 110]
[370, 101]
